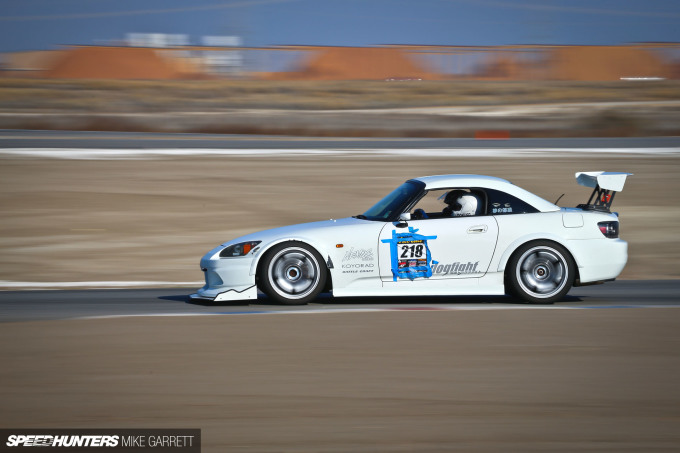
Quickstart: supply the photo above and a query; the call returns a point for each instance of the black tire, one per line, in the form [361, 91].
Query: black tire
[292, 273]
[540, 272]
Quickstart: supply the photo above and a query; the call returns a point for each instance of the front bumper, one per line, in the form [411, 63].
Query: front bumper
[226, 278]
[215, 295]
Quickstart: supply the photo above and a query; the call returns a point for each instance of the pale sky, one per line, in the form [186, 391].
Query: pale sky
[44, 24]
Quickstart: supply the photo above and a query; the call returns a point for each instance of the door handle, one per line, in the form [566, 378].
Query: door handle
[477, 229]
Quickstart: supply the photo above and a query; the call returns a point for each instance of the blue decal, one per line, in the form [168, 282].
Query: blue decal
[410, 254]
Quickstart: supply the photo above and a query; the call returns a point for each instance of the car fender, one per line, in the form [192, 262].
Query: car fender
[315, 244]
[517, 243]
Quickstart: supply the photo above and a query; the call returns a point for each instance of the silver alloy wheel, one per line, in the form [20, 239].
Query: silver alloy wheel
[293, 273]
[542, 272]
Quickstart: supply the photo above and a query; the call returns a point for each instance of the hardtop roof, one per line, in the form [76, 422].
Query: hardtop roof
[486, 182]
[445, 181]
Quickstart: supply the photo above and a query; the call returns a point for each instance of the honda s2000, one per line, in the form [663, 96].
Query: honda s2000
[435, 235]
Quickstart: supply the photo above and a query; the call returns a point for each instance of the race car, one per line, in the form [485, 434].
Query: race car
[435, 235]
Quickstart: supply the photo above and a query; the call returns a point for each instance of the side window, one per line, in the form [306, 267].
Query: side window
[431, 203]
[501, 203]
[441, 203]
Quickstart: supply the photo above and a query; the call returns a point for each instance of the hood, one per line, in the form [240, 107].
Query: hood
[298, 231]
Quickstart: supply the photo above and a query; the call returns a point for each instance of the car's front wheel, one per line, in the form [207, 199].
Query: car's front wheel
[540, 272]
[292, 273]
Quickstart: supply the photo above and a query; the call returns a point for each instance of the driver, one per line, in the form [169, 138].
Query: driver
[461, 204]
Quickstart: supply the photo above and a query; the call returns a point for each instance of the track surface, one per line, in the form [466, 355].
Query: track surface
[51, 305]
[474, 381]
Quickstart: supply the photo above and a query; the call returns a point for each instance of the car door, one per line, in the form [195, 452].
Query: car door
[437, 249]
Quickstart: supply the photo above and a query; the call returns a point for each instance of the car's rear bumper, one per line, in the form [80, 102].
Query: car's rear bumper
[600, 259]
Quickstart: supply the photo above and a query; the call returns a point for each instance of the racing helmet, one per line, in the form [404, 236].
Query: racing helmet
[461, 203]
[467, 205]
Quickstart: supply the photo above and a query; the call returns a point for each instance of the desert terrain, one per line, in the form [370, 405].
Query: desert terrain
[364, 108]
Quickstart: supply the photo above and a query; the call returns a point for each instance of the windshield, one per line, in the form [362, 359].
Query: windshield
[390, 207]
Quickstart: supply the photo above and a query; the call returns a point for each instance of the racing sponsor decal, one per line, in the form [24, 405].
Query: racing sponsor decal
[497, 208]
[410, 255]
[358, 261]
[456, 268]
[358, 255]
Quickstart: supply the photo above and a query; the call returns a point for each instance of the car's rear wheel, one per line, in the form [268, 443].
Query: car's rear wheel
[540, 272]
[292, 273]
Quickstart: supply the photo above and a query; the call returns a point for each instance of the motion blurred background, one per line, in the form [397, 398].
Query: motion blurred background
[77, 64]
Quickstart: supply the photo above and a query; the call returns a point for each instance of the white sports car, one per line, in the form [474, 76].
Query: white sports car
[435, 235]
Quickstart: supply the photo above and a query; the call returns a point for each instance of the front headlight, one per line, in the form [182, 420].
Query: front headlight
[240, 249]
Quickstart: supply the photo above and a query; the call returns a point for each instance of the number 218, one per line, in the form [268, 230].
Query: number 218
[416, 251]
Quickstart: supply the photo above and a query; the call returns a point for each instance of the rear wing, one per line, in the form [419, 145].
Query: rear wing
[605, 185]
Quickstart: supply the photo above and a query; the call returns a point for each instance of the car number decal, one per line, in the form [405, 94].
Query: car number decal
[410, 255]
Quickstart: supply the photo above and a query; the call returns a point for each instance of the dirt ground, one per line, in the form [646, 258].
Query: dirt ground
[152, 220]
[364, 108]
[468, 381]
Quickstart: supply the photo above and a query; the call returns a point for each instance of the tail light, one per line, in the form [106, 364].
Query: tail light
[609, 229]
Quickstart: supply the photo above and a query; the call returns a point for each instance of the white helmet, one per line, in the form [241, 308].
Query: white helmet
[468, 205]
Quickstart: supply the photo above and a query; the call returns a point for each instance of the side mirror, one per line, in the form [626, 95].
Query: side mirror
[403, 218]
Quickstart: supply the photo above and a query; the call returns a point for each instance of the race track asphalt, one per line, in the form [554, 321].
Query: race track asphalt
[51, 305]
[489, 375]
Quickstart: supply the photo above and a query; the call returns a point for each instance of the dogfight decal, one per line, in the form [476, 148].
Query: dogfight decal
[410, 255]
